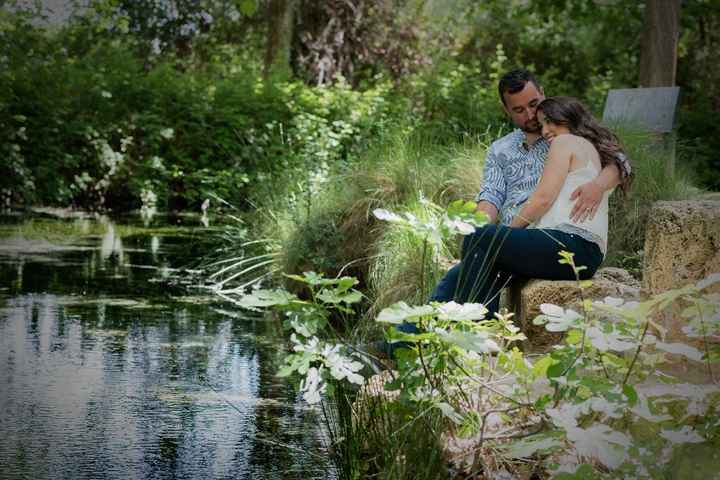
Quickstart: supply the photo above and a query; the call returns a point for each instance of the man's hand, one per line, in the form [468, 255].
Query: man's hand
[489, 209]
[588, 197]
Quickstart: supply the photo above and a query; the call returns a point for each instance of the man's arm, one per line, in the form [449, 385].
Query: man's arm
[589, 195]
[493, 192]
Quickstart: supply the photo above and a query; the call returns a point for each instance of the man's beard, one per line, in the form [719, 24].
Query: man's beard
[531, 127]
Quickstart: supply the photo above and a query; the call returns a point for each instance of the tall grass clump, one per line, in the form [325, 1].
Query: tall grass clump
[653, 182]
[375, 436]
[333, 229]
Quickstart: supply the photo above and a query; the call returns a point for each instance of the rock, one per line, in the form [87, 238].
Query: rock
[682, 244]
[525, 300]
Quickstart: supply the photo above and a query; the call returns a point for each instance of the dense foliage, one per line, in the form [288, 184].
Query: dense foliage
[129, 103]
[605, 402]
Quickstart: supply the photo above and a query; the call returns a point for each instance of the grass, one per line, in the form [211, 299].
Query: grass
[628, 217]
[374, 436]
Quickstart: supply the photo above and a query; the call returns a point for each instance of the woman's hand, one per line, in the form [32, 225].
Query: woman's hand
[588, 197]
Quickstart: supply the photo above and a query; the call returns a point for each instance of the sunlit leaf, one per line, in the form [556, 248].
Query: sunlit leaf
[471, 341]
[401, 312]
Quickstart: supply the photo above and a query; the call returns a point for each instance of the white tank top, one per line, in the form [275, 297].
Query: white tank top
[558, 216]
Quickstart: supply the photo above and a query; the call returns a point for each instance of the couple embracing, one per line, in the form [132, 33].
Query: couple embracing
[547, 185]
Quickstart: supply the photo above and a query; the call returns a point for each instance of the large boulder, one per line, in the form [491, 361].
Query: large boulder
[525, 299]
[682, 244]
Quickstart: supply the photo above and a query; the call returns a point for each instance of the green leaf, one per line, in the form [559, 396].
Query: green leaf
[296, 362]
[573, 337]
[631, 394]
[345, 283]
[541, 366]
[335, 296]
[247, 7]
[401, 312]
[471, 341]
[555, 370]
[266, 298]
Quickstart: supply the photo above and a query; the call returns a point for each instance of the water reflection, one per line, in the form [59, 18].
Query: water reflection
[103, 375]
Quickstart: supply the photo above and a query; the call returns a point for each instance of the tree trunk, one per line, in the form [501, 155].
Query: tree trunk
[279, 37]
[658, 55]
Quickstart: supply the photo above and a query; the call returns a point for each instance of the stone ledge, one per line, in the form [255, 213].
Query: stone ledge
[525, 299]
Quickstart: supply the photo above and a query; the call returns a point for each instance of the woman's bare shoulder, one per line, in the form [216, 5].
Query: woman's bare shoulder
[569, 140]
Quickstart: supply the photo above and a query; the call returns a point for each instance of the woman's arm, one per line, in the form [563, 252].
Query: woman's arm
[554, 174]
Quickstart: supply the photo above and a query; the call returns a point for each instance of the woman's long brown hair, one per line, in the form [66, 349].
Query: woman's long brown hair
[571, 113]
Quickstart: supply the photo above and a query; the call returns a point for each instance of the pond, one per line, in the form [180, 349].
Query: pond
[110, 367]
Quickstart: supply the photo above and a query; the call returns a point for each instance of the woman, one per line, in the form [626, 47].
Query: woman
[579, 148]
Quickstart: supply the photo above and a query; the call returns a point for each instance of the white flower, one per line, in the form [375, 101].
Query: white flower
[313, 386]
[558, 318]
[167, 133]
[106, 94]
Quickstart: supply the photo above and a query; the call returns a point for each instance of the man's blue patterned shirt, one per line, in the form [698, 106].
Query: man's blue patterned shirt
[511, 173]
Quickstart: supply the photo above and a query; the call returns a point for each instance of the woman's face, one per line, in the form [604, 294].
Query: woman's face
[550, 130]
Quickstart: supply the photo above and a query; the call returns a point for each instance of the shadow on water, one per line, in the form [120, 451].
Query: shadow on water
[108, 369]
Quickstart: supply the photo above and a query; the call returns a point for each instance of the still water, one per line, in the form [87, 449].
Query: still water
[110, 368]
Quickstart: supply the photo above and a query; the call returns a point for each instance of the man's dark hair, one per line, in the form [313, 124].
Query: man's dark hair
[514, 81]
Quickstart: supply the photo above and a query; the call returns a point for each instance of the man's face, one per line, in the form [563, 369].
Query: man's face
[521, 107]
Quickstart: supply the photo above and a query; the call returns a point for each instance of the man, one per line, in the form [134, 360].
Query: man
[514, 163]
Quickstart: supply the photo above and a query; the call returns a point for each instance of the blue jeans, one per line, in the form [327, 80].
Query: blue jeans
[496, 253]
